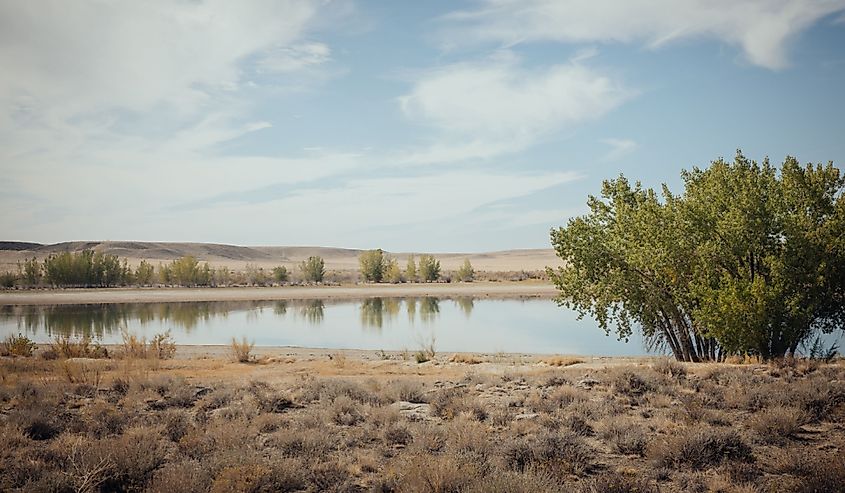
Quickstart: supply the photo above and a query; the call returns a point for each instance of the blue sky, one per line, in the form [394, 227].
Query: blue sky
[423, 126]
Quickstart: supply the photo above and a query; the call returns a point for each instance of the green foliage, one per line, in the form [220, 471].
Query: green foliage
[280, 274]
[186, 271]
[255, 275]
[466, 273]
[373, 264]
[392, 272]
[747, 260]
[429, 269]
[770, 246]
[411, 270]
[86, 268]
[313, 269]
[31, 272]
[144, 273]
[8, 279]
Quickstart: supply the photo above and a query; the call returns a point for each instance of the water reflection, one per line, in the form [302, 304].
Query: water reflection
[102, 320]
[376, 311]
[312, 311]
[456, 323]
[429, 309]
[466, 304]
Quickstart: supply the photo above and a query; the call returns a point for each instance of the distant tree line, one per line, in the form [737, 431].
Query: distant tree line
[377, 266]
[90, 268]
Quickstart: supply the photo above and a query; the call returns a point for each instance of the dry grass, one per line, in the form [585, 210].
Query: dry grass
[241, 350]
[561, 361]
[66, 347]
[19, 345]
[465, 358]
[190, 425]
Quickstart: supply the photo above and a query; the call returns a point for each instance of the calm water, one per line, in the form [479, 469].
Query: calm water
[457, 324]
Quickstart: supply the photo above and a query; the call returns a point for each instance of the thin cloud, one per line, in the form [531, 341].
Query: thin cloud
[619, 148]
[762, 29]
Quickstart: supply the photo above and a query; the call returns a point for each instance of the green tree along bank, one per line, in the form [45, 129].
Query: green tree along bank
[313, 269]
[429, 268]
[373, 264]
[750, 258]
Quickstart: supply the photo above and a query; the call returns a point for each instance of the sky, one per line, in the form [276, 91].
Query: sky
[441, 126]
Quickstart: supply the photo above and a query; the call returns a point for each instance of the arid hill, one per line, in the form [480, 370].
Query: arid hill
[237, 257]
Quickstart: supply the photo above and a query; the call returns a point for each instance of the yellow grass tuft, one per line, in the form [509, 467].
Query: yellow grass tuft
[465, 358]
[561, 360]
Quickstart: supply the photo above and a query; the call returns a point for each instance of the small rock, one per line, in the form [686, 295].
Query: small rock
[587, 383]
[413, 411]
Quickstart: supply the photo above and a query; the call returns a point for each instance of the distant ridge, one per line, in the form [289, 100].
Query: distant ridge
[237, 257]
[16, 246]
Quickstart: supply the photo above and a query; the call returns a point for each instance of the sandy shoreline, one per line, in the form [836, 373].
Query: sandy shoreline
[161, 295]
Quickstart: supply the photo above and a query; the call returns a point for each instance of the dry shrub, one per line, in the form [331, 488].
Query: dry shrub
[65, 347]
[700, 448]
[632, 384]
[176, 423]
[162, 346]
[818, 398]
[280, 475]
[561, 361]
[565, 395]
[346, 412]
[241, 350]
[78, 372]
[557, 453]
[133, 346]
[135, 456]
[103, 419]
[269, 400]
[339, 359]
[397, 434]
[405, 390]
[185, 477]
[671, 368]
[19, 345]
[775, 424]
[817, 471]
[329, 389]
[38, 423]
[433, 474]
[576, 424]
[514, 482]
[448, 403]
[303, 443]
[619, 483]
[85, 465]
[625, 437]
[465, 358]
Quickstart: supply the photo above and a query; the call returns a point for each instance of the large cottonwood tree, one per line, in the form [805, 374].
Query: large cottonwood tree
[749, 259]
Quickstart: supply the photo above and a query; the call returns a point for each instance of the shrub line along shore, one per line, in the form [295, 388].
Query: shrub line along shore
[162, 295]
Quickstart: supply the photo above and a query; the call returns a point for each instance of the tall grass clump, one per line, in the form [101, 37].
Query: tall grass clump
[19, 345]
[426, 352]
[64, 347]
[241, 349]
[161, 346]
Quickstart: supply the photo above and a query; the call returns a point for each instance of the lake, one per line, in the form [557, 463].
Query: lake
[457, 324]
[529, 325]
